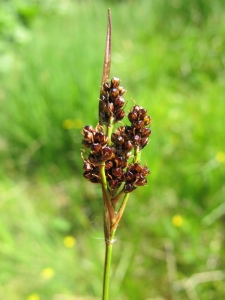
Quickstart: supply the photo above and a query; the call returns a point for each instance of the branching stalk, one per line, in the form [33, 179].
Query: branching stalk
[109, 152]
[121, 211]
[105, 193]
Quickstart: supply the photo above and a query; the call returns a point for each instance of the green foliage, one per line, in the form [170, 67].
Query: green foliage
[170, 58]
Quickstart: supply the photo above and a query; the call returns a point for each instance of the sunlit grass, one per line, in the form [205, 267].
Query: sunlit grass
[50, 218]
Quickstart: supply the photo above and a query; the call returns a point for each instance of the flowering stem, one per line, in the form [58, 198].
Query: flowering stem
[116, 198]
[108, 209]
[107, 161]
[120, 212]
[109, 133]
[137, 154]
[108, 256]
[137, 157]
[109, 129]
[105, 192]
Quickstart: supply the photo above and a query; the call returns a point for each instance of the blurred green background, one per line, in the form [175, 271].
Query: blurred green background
[170, 56]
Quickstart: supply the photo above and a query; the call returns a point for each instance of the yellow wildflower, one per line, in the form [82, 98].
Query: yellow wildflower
[177, 220]
[67, 124]
[220, 157]
[69, 241]
[47, 273]
[33, 297]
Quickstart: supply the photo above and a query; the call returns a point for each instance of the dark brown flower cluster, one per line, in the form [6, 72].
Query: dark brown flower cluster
[114, 153]
[135, 176]
[127, 137]
[138, 132]
[111, 102]
[95, 140]
[115, 173]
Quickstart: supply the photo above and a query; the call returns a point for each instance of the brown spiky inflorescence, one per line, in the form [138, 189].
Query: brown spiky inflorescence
[120, 152]
[113, 158]
[116, 153]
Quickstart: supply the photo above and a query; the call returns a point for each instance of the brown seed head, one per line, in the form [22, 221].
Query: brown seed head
[119, 102]
[120, 114]
[115, 82]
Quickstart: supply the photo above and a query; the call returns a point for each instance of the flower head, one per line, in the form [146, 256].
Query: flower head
[114, 151]
[33, 297]
[47, 273]
[177, 220]
[112, 158]
[220, 156]
[69, 241]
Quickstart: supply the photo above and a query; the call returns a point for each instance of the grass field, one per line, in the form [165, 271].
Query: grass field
[170, 243]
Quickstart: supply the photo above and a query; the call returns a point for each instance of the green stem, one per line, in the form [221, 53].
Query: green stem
[108, 256]
[120, 212]
[137, 155]
[109, 215]
[105, 192]
[109, 132]
[109, 219]
[116, 198]
[109, 129]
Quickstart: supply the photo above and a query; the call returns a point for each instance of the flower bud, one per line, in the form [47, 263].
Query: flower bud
[128, 188]
[114, 92]
[119, 102]
[115, 82]
[106, 154]
[120, 114]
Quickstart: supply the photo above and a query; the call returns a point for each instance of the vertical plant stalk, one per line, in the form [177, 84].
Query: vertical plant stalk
[107, 210]
[109, 161]
[107, 265]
